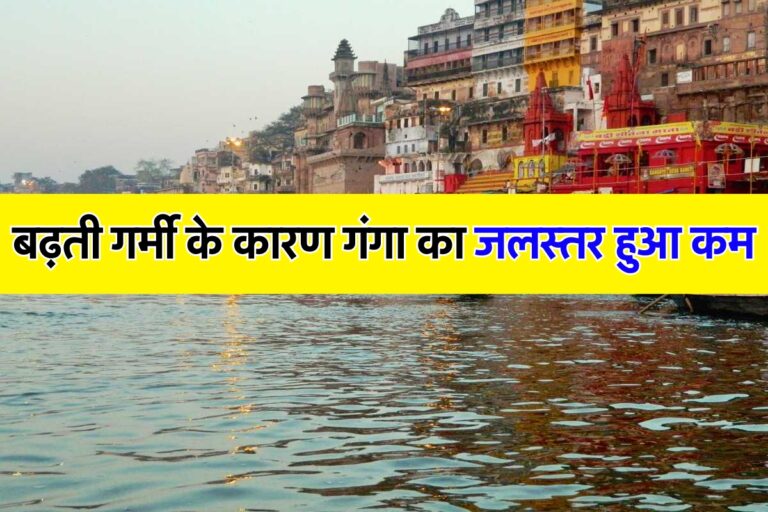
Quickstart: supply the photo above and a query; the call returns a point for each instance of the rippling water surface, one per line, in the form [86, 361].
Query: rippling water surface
[425, 404]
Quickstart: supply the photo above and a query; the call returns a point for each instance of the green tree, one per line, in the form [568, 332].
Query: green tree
[47, 185]
[99, 181]
[153, 171]
[275, 137]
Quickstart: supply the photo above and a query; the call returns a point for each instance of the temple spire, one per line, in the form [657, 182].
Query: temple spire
[344, 51]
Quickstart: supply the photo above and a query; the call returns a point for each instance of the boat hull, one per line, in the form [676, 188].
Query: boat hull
[750, 306]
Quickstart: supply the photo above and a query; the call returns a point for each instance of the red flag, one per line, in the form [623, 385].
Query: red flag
[591, 91]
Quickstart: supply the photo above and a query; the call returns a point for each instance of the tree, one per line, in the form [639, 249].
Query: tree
[99, 181]
[153, 171]
[275, 137]
[47, 185]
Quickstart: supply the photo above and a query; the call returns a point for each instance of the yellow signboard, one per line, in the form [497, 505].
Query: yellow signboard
[746, 130]
[638, 132]
[677, 171]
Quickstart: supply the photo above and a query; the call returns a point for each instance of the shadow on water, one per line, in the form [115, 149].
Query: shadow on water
[401, 403]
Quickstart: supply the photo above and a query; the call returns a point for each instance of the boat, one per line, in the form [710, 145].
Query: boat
[742, 306]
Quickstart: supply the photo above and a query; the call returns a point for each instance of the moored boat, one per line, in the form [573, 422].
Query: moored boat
[752, 306]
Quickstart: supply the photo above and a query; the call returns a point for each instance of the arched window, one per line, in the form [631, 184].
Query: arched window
[531, 169]
[520, 170]
[407, 167]
[422, 167]
[359, 141]
[542, 168]
[429, 165]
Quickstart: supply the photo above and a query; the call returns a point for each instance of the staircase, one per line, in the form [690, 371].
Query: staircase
[486, 182]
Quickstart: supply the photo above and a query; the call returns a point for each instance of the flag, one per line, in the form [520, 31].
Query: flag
[589, 89]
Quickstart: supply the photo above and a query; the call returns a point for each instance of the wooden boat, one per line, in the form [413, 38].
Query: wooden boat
[750, 306]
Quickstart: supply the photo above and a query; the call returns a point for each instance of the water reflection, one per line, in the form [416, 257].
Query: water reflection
[335, 403]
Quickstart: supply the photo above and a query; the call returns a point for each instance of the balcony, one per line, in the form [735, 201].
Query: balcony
[494, 17]
[542, 56]
[726, 76]
[359, 119]
[497, 63]
[454, 73]
[440, 49]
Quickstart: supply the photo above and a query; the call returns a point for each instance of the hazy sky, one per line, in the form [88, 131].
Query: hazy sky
[87, 83]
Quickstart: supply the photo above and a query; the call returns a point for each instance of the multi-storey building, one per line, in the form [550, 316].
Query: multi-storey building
[697, 59]
[497, 53]
[423, 153]
[342, 141]
[438, 62]
[552, 42]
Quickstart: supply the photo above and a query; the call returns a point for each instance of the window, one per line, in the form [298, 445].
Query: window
[751, 5]
[435, 46]
[614, 29]
[487, 35]
[518, 84]
[679, 17]
[726, 8]
[665, 19]
[498, 88]
[665, 79]
[437, 95]
[597, 87]
[751, 40]
[652, 56]
[504, 133]
[458, 41]
[708, 47]
[406, 122]
[453, 95]
[426, 48]
[726, 44]
[469, 39]
[485, 90]
[413, 148]
[485, 136]
[471, 92]
[693, 14]
[501, 32]
[737, 7]
[447, 44]
[593, 44]
[635, 25]
[398, 150]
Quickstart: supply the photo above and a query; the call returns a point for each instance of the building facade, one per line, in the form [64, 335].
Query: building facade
[343, 139]
[438, 62]
[497, 54]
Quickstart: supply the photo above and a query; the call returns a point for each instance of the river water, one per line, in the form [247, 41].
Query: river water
[378, 403]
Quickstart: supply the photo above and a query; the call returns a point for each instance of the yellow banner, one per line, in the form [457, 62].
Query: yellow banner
[510, 244]
[638, 132]
[747, 130]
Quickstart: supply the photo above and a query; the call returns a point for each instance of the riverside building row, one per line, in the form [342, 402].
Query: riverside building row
[502, 98]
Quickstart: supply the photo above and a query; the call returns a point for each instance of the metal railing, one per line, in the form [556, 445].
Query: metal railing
[420, 77]
[440, 48]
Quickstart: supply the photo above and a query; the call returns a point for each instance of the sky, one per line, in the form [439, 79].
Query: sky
[89, 83]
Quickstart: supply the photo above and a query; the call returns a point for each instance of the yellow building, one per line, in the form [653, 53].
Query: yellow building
[552, 41]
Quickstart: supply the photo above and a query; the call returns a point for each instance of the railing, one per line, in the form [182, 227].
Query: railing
[419, 77]
[478, 65]
[441, 48]
[359, 119]
[517, 10]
